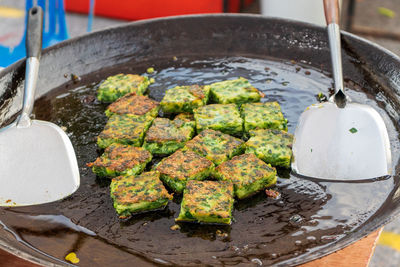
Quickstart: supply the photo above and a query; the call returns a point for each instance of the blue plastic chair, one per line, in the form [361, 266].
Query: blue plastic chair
[90, 16]
[54, 30]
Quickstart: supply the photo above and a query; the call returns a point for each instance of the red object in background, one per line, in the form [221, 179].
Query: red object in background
[234, 6]
[145, 9]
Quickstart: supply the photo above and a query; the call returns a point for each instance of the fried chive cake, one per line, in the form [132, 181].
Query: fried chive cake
[133, 104]
[266, 115]
[124, 129]
[207, 202]
[220, 117]
[248, 174]
[236, 91]
[185, 98]
[183, 166]
[136, 194]
[166, 136]
[215, 146]
[119, 85]
[272, 146]
[119, 159]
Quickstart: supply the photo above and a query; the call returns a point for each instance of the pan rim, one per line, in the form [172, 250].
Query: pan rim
[205, 15]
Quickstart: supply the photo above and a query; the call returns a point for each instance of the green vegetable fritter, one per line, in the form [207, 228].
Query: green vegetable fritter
[272, 146]
[124, 129]
[237, 91]
[215, 146]
[165, 136]
[248, 174]
[121, 159]
[133, 104]
[207, 202]
[182, 166]
[185, 98]
[266, 115]
[119, 85]
[220, 117]
[136, 194]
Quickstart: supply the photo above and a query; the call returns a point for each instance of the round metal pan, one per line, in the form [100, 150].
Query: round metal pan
[370, 68]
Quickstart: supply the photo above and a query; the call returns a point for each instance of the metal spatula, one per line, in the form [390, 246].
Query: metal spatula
[37, 160]
[340, 139]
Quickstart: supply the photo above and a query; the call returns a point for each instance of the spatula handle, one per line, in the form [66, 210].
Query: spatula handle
[331, 8]
[34, 32]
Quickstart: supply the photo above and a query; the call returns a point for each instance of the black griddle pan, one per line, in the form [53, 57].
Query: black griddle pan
[45, 234]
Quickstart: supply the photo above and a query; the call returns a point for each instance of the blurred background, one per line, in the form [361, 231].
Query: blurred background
[376, 20]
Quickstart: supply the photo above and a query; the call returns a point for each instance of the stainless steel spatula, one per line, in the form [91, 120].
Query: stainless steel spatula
[37, 160]
[340, 139]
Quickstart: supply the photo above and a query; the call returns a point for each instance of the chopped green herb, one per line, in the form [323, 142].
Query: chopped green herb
[386, 12]
[321, 97]
[353, 130]
[285, 83]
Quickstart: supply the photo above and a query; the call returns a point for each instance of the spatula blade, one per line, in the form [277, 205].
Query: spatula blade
[37, 165]
[348, 143]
